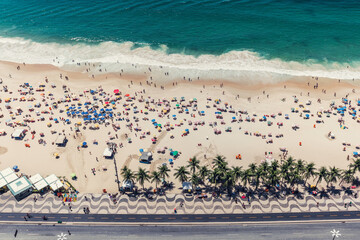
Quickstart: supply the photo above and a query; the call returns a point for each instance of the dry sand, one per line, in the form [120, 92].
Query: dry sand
[316, 146]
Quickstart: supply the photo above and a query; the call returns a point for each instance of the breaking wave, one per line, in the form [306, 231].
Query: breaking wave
[232, 64]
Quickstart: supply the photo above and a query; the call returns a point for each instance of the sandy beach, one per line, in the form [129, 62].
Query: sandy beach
[201, 118]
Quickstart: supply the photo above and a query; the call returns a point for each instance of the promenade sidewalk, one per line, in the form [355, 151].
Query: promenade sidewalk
[103, 204]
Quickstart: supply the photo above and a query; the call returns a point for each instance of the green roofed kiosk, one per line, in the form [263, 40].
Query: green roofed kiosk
[20, 188]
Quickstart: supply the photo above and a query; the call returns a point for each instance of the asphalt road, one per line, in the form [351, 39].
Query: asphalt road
[181, 218]
[297, 231]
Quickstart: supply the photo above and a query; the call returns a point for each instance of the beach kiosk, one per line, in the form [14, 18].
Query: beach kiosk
[187, 187]
[3, 184]
[54, 182]
[108, 153]
[6, 172]
[20, 188]
[18, 134]
[10, 175]
[38, 182]
[145, 157]
[61, 141]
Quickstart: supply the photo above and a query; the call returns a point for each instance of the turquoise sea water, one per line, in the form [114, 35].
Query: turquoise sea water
[307, 32]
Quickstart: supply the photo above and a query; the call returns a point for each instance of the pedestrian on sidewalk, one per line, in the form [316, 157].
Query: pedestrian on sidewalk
[175, 210]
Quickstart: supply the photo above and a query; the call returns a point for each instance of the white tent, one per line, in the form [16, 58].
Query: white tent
[2, 182]
[6, 171]
[36, 178]
[52, 178]
[108, 153]
[60, 140]
[11, 177]
[56, 185]
[40, 184]
[18, 133]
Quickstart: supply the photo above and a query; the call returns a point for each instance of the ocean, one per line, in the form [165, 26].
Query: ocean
[281, 37]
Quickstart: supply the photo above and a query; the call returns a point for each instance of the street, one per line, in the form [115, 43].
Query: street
[239, 231]
[180, 218]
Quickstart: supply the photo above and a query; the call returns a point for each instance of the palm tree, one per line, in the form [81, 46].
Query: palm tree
[334, 174]
[273, 177]
[323, 174]
[356, 166]
[252, 168]
[193, 164]
[259, 173]
[141, 176]
[310, 171]
[163, 171]
[155, 177]
[284, 172]
[246, 177]
[218, 160]
[123, 170]
[300, 167]
[203, 173]
[195, 180]
[127, 174]
[236, 174]
[347, 176]
[228, 181]
[181, 173]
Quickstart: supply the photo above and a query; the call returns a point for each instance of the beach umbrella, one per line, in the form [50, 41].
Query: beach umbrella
[233, 118]
[141, 150]
[116, 91]
[15, 167]
[84, 143]
[171, 160]
[73, 175]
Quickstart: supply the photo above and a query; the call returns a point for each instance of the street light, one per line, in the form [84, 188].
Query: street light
[335, 234]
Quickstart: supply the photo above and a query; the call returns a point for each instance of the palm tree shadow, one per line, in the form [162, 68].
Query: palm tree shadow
[298, 194]
[324, 194]
[262, 195]
[333, 190]
[347, 190]
[356, 182]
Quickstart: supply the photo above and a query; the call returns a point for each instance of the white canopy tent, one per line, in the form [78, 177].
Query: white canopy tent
[6, 171]
[36, 178]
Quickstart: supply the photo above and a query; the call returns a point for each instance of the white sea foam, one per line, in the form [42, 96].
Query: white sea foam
[234, 65]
